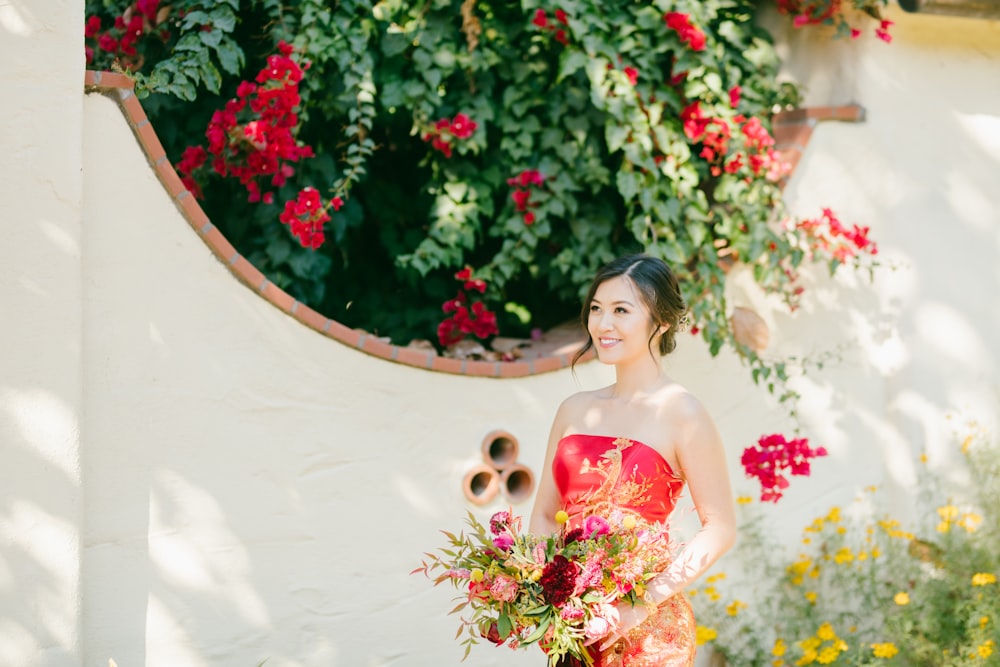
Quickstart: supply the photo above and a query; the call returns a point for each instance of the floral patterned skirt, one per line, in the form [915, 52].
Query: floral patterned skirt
[665, 639]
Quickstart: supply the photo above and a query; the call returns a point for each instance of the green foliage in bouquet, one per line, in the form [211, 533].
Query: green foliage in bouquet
[866, 591]
[557, 592]
[362, 155]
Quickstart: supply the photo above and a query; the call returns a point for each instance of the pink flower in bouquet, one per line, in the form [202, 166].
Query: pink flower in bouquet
[571, 614]
[600, 625]
[595, 526]
[503, 541]
[592, 573]
[504, 589]
[500, 521]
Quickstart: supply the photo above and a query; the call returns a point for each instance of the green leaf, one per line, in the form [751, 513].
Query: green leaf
[539, 631]
[504, 625]
[230, 56]
[569, 63]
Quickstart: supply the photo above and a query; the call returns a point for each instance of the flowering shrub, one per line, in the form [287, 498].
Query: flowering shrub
[864, 589]
[832, 13]
[558, 591]
[354, 152]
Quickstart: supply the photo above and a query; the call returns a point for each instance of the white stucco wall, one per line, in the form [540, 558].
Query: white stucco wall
[40, 334]
[235, 487]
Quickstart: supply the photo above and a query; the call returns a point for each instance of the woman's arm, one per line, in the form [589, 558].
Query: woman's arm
[547, 501]
[702, 460]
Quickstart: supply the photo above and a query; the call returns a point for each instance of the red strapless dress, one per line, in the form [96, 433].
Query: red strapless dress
[597, 474]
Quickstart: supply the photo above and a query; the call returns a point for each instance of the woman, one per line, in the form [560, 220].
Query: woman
[659, 438]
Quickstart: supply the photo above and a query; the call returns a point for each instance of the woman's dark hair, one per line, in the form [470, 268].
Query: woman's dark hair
[658, 289]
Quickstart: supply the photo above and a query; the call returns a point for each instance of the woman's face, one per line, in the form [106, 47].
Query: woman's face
[619, 323]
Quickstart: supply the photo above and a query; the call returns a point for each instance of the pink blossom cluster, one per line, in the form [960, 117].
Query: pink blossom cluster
[831, 237]
[466, 316]
[138, 20]
[446, 130]
[772, 457]
[253, 137]
[541, 20]
[523, 184]
[306, 214]
[715, 134]
[829, 12]
[687, 31]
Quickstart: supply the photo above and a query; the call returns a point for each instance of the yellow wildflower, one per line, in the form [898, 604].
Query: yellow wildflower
[827, 655]
[970, 521]
[806, 540]
[876, 552]
[734, 607]
[808, 657]
[948, 512]
[778, 662]
[826, 632]
[884, 650]
[798, 569]
[985, 649]
[843, 555]
[693, 592]
[841, 530]
[984, 621]
[810, 644]
[703, 634]
[862, 555]
[834, 515]
[943, 527]
[983, 579]
[715, 577]
[744, 500]
[811, 596]
[901, 599]
[923, 457]
[779, 647]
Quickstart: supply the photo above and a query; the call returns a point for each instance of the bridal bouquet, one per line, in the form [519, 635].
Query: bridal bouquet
[556, 591]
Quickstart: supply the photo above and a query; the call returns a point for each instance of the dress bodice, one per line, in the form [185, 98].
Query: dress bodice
[598, 474]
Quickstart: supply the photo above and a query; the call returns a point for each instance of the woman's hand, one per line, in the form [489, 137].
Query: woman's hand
[629, 617]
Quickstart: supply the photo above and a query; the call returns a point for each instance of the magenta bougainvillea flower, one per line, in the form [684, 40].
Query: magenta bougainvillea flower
[772, 457]
[465, 316]
[689, 34]
[447, 130]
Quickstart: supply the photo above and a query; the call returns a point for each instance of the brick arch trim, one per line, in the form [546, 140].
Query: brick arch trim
[792, 130]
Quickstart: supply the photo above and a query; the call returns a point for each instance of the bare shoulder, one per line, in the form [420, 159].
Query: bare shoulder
[685, 412]
[574, 406]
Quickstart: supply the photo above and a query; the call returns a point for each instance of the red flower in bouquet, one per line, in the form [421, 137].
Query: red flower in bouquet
[558, 580]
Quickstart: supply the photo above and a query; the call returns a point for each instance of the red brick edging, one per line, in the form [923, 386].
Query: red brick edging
[792, 130]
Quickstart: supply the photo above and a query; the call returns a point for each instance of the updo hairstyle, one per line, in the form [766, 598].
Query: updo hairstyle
[657, 287]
